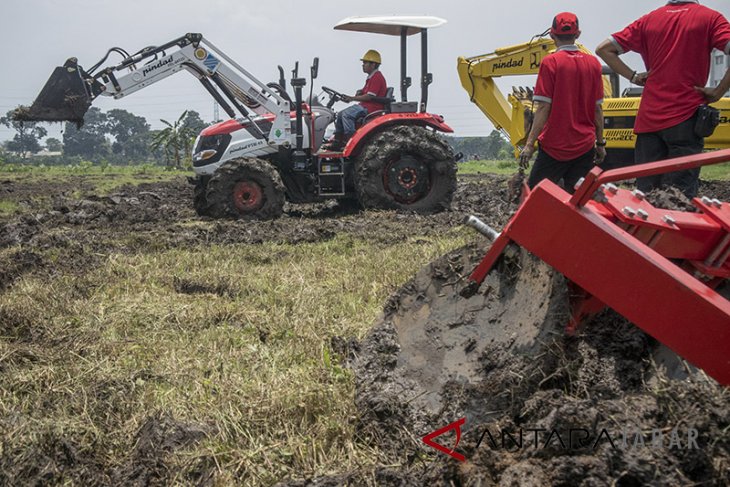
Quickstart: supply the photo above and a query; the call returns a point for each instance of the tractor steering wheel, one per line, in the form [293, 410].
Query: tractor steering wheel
[335, 96]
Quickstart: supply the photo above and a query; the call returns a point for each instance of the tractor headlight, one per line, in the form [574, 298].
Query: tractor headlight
[204, 155]
[210, 149]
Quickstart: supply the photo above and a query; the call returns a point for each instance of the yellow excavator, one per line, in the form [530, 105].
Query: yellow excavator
[512, 115]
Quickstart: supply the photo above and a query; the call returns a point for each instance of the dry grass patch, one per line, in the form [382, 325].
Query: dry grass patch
[221, 355]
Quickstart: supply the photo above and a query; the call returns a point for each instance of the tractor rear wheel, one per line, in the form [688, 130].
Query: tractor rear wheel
[249, 189]
[406, 168]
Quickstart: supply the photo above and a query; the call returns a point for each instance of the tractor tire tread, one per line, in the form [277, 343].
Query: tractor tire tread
[220, 189]
[406, 139]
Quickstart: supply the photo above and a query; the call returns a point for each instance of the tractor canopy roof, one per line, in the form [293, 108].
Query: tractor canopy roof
[394, 25]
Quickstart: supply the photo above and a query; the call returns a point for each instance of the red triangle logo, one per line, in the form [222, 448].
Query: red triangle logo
[428, 439]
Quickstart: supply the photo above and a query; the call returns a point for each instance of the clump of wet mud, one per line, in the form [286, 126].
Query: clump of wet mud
[670, 198]
[440, 337]
[497, 357]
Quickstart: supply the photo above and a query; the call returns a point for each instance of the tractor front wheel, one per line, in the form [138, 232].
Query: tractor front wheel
[249, 189]
[406, 168]
[200, 199]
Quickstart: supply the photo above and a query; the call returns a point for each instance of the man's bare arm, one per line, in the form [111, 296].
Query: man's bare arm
[600, 149]
[714, 94]
[608, 51]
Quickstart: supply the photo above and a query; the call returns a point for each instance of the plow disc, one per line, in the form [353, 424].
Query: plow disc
[479, 381]
[448, 348]
[444, 345]
[64, 98]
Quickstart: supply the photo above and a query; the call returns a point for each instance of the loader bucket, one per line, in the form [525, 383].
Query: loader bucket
[65, 97]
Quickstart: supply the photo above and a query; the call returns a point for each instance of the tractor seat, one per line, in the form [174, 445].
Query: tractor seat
[385, 100]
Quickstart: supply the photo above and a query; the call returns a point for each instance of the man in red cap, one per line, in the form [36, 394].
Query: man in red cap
[568, 120]
[675, 41]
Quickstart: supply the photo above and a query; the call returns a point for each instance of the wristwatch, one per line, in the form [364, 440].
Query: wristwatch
[602, 143]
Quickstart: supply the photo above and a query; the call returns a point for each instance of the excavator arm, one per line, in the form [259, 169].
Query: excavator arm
[511, 115]
[70, 90]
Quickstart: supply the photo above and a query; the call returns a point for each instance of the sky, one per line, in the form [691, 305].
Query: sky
[259, 35]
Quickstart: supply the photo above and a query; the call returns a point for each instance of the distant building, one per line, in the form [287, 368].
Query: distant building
[41, 153]
[46, 153]
[719, 66]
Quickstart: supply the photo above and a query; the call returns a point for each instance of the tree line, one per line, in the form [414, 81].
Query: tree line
[120, 137]
[492, 147]
[116, 136]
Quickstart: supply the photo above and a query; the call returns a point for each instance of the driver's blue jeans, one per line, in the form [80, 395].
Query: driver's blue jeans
[345, 122]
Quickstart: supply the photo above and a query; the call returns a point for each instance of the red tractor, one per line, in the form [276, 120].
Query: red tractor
[248, 166]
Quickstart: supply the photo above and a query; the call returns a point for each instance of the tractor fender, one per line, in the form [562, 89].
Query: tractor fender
[355, 144]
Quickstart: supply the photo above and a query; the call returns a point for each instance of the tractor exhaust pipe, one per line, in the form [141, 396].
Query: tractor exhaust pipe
[66, 96]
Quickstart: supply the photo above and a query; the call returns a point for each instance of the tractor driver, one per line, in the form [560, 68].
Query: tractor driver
[375, 86]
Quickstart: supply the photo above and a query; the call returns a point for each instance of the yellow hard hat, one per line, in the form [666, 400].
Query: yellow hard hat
[372, 55]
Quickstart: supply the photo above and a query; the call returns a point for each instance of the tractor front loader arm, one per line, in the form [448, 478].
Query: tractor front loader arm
[70, 90]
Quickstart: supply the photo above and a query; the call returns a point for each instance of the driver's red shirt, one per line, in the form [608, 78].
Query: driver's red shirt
[375, 85]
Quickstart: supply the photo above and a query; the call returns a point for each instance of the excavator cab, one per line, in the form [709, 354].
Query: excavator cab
[66, 96]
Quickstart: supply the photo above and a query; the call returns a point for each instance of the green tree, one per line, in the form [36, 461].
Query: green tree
[27, 137]
[54, 145]
[194, 123]
[90, 140]
[131, 134]
[175, 140]
[494, 145]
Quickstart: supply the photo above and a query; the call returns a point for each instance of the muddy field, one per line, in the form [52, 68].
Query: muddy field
[158, 216]
[429, 360]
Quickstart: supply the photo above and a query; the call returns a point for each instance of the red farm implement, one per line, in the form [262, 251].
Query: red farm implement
[658, 268]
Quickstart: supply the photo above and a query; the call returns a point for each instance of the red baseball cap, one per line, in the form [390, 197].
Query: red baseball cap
[565, 23]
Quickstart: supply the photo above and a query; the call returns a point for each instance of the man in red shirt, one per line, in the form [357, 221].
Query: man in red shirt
[568, 120]
[375, 86]
[675, 41]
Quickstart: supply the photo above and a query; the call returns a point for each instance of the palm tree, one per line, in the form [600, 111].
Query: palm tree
[173, 140]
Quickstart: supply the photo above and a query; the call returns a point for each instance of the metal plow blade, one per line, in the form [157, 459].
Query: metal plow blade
[445, 346]
[64, 97]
